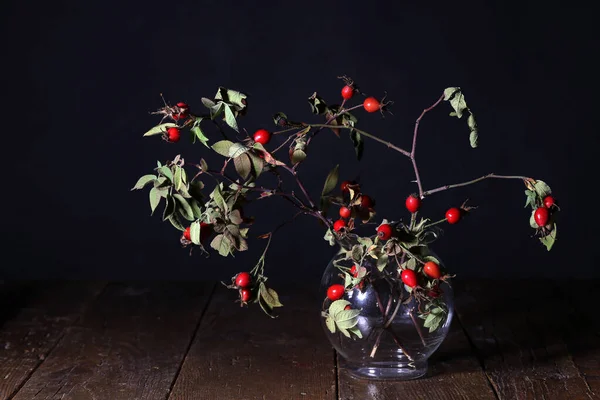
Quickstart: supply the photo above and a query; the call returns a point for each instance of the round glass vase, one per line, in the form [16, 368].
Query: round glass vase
[396, 339]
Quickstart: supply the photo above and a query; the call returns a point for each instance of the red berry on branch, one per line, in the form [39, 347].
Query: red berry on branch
[354, 271]
[409, 278]
[432, 270]
[371, 104]
[413, 203]
[186, 234]
[344, 186]
[548, 201]
[541, 216]
[384, 232]
[366, 201]
[453, 215]
[345, 212]
[348, 307]
[347, 92]
[245, 295]
[242, 280]
[173, 134]
[262, 136]
[335, 292]
[339, 224]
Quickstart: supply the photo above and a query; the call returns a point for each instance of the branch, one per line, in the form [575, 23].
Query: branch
[488, 176]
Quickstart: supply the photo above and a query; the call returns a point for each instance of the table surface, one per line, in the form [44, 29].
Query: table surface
[190, 340]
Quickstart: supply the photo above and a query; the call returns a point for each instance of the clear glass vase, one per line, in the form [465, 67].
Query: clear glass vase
[395, 344]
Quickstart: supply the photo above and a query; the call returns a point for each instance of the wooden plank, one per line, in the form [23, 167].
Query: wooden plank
[583, 329]
[130, 345]
[242, 354]
[517, 329]
[35, 316]
[454, 373]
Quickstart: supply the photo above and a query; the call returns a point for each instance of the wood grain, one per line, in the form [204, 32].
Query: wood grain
[454, 373]
[130, 345]
[35, 316]
[241, 354]
[517, 328]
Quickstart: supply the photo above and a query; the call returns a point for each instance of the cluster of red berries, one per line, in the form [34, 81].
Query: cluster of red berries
[366, 203]
[413, 203]
[542, 214]
[243, 281]
[181, 111]
[371, 104]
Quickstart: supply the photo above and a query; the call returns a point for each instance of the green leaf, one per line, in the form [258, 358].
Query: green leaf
[195, 232]
[298, 156]
[176, 222]
[218, 198]
[199, 134]
[357, 253]
[232, 97]
[344, 331]
[473, 138]
[216, 110]
[222, 147]
[359, 144]
[280, 119]
[166, 172]
[196, 210]
[531, 198]
[177, 180]
[208, 103]
[169, 208]
[337, 306]
[159, 129]
[542, 189]
[237, 149]
[346, 319]
[257, 164]
[411, 264]
[382, 262]
[222, 244]
[185, 209]
[532, 222]
[458, 103]
[230, 118]
[155, 196]
[449, 92]
[329, 237]
[143, 181]
[330, 323]
[550, 239]
[236, 217]
[269, 296]
[243, 165]
[356, 331]
[317, 104]
[331, 181]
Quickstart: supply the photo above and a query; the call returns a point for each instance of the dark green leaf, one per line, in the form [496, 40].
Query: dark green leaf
[257, 164]
[143, 181]
[166, 172]
[359, 144]
[222, 244]
[235, 217]
[531, 198]
[270, 296]
[230, 119]
[243, 165]
[542, 189]
[237, 149]
[155, 196]
[176, 222]
[195, 232]
[216, 110]
[317, 104]
[382, 262]
[550, 239]
[199, 134]
[232, 97]
[218, 198]
[222, 147]
[208, 103]
[196, 210]
[331, 181]
[185, 209]
[357, 253]
[170, 208]
[159, 129]
[298, 156]
[177, 180]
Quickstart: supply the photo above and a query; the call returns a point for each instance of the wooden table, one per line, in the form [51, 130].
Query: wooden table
[189, 340]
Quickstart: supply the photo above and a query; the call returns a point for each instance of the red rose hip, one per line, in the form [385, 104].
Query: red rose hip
[384, 232]
[409, 277]
[366, 201]
[173, 134]
[413, 203]
[354, 271]
[371, 104]
[347, 92]
[548, 201]
[262, 136]
[335, 292]
[432, 270]
[186, 234]
[245, 295]
[242, 280]
[453, 215]
[345, 212]
[338, 225]
[541, 216]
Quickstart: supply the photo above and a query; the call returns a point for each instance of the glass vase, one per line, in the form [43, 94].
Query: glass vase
[396, 340]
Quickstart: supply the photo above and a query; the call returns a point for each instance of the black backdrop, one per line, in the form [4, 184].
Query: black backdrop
[81, 77]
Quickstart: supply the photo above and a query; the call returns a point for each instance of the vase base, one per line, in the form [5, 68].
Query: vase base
[388, 371]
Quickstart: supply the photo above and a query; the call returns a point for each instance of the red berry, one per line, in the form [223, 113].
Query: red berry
[335, 292]
[371, 104]
[345, 212]
[262, 136]
[186, 234]
[366, 201]
[541, 216]
[348, 307]
[339, 224]
[409, 278]
[453, 215]
[548, 201]
[413, 203]
[347, 92]
[354, 271]
[183, 111]
[174, 134]
[242, 280]
[384, 232]
[432, 270]
[245, 295]
[344, 186]
[182, 105]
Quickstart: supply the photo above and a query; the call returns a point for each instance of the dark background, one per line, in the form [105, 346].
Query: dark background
[80, 79]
